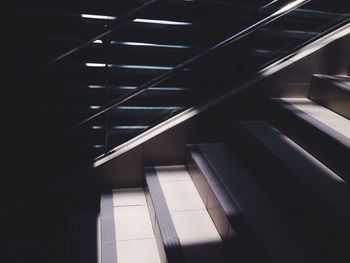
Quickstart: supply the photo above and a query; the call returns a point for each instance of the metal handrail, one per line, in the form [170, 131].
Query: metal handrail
[245, 32]
[117, 24]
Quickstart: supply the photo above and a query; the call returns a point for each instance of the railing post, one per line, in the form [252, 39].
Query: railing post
[106, 42]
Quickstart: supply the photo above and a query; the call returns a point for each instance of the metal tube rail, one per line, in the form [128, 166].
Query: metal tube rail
[245, 32]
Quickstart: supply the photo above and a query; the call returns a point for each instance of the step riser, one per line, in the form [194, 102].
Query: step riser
[332, 95]
[234, 237]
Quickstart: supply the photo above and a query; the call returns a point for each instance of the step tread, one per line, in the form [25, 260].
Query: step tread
[320, 117]
[133, 227]
[328, 185]
[272, 227]
[197, 233]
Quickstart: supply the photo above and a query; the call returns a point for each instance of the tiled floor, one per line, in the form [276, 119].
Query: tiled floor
[134, 233]
[197, 233]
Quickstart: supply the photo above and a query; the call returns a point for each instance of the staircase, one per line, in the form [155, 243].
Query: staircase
[166, 222]
[274, 190]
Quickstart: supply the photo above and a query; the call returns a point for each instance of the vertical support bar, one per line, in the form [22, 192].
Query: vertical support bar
[106, 46]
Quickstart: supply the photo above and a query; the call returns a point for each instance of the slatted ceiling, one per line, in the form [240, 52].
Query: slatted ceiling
[141, 118]
[75, 23]
[155, 89]
[69, 24]
[33, 53]
[71, 30]
[191, 35]
[185, 81]
[198, 68]
[141, 55]
[137, 120]
[197, 11]
[165, 96]
[100, 74]
[176, 15]
[135, 55]
[158, 47]
[152, 60]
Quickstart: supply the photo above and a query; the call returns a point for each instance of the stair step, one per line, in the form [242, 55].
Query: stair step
[168, 222]
[166, 235]
[323, 119]
[326, 133]
[127, 228]
[321, 179]
[251, 215]
[316, 197]
[332, 92]
[198, 236]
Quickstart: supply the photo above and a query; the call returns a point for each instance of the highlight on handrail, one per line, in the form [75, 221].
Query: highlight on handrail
[117, 23]
[290, 6]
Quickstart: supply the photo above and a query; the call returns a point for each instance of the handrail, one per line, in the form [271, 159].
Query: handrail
[326, 38]
[117, 24]
[245, 32]
[328, 31]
